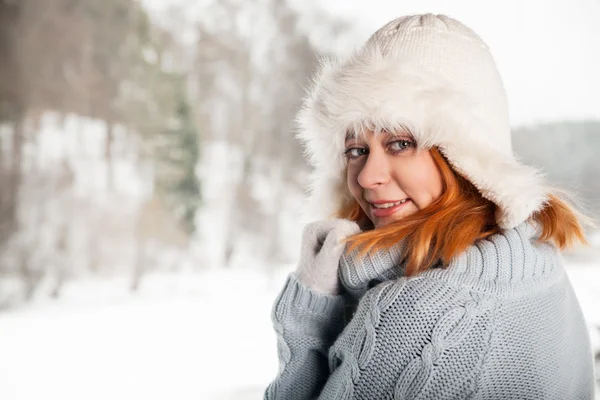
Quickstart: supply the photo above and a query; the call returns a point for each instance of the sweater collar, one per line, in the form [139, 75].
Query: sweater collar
[360, 273]
[498, 264]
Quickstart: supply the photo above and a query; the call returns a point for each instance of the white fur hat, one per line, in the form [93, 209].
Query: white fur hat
[435, 77]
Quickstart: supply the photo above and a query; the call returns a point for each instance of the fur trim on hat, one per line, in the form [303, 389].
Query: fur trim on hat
[372, 91]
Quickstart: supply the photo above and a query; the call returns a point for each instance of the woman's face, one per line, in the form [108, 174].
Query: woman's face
[389, 177]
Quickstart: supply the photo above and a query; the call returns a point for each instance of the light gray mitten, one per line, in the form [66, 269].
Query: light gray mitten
[322, 248]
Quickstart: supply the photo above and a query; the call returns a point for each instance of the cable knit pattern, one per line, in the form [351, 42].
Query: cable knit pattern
[500, 322]
[449, 332]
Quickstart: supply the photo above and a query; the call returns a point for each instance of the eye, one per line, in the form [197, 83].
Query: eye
[400, 145]
[355, 152]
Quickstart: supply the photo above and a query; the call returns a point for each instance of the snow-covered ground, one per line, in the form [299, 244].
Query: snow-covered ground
[178, 338]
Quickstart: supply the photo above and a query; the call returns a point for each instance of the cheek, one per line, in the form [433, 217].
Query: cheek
[421, 179]
[434, 180]
[431, 180]
[352, 181]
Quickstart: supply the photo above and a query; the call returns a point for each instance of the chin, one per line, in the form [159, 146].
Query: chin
[382, 222]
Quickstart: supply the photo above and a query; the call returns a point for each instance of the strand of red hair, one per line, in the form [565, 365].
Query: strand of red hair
[457, 219]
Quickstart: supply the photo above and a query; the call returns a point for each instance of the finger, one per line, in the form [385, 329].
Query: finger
[335, 237]
[315, 233]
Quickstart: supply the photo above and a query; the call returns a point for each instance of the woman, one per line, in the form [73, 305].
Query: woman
[447, 243]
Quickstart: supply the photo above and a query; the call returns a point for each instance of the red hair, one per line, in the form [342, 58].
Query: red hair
[453, 222]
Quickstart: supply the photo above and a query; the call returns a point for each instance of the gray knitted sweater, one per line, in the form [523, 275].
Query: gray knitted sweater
[500, 322]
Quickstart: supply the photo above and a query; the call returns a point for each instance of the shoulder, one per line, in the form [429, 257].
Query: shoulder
[511, 264]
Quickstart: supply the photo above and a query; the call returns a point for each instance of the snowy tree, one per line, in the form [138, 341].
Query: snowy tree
[99, 74]
[177, 158]
[253, 62]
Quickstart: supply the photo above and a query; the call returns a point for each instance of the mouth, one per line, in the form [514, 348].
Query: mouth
[387, 208]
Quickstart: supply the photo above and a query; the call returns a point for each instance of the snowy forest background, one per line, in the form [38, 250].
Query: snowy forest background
[150, 184]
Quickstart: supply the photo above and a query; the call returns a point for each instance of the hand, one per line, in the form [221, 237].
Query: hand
[322, 247]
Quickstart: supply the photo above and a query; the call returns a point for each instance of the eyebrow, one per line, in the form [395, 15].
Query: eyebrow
[402, 132]
[352, 135]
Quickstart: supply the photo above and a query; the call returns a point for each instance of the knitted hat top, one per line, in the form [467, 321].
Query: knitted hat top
[436, 78]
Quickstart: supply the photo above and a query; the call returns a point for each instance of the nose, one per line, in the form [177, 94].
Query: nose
[375, 171]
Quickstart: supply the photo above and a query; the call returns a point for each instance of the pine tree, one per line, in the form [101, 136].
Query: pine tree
[177, 160]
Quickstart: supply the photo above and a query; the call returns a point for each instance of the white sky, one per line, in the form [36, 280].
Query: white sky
[548, 52]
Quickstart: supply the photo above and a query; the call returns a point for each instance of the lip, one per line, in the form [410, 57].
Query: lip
[384, 201]
[386, 212]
